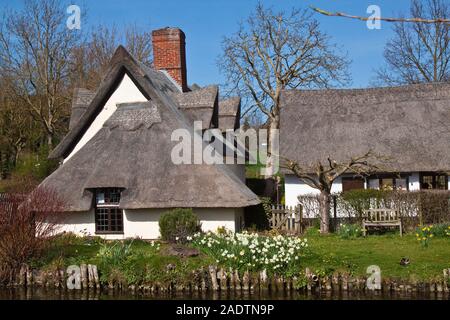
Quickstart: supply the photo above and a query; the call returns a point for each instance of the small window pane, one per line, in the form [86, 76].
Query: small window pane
[441, 182]
[373, 183]
[427, 182]
[400, 184]
[387, 184]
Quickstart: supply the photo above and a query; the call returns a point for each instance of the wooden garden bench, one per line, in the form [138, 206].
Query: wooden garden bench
[381, 218]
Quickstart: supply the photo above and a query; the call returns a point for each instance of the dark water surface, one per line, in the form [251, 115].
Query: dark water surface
[56, 294]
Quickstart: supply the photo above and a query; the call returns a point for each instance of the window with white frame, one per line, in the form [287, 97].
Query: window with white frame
[108, 215]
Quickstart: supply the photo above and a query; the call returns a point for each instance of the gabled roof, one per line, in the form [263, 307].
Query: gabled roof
[133, 151]
[229, 113]
[151, 83]
[200, 104]
[408, 124]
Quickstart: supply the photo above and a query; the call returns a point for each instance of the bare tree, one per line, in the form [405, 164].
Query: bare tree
[35, 46]
[419, 52]
[91, 59]
[321, 176]
[273, 51]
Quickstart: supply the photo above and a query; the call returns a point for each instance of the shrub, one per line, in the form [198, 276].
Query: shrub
[178, 224]
[415, 207]
[441, 230]
[350, 231]
[424, 234]
[356, 201]
[115, 254]
[27, 222]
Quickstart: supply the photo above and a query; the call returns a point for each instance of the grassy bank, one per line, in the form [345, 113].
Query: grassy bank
[137, 261]
[386, 251]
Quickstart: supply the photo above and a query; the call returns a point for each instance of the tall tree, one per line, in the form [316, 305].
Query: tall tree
[35, 47]
[273, 51]
[419, 52]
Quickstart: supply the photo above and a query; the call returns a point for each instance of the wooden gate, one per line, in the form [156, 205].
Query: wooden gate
[287, 219]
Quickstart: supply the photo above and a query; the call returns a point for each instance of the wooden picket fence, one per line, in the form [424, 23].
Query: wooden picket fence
[287, 219]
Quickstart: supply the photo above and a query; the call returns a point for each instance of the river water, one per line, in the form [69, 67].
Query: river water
[56, 294]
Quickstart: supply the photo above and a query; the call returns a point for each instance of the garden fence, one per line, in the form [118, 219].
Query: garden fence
[287, 219]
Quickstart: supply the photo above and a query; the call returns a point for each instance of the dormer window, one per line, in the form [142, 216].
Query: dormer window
[108, 215]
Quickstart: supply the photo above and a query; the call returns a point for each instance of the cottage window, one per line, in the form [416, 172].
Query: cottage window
[387, 182]
[352, 183]
[108, 215]
[433, 181]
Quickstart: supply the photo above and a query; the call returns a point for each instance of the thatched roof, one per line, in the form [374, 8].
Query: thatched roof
[133, 151]
[408, 124]
[229, 113]
[200, 105]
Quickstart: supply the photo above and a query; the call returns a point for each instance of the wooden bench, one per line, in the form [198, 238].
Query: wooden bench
[381, 218]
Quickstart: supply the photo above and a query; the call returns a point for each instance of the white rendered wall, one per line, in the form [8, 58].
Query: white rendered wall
[125, 92]
[143, 223]
[294, 187]
[414, 182]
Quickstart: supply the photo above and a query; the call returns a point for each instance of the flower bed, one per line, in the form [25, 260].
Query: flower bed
[252, 252]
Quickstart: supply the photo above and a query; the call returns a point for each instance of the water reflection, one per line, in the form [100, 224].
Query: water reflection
[58, 294]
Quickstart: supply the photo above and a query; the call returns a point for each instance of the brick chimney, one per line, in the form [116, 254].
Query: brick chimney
[169, 53]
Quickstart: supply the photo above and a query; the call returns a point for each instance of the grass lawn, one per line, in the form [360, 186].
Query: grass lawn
[386, 251]
[325, 254]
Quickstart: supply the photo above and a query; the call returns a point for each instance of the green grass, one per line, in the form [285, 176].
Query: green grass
[326, 254]
[386, 251]
[145, 263]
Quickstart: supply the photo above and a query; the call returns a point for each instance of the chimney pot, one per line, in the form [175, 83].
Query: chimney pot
[169, 54]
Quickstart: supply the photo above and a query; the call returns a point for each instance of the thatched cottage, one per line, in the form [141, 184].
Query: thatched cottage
[407, 124]
[117, 176]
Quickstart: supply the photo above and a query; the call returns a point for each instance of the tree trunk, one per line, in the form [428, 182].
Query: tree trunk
[50, 141]
[325, 205]
[272, 147]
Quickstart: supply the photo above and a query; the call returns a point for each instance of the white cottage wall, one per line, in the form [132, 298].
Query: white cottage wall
[294, 187]
[143, 223]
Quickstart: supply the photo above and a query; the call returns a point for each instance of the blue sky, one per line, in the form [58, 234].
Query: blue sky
[205, 22]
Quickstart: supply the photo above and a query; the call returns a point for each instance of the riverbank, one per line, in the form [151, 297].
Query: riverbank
[252, 265]
[324, 255]
[142, 266]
